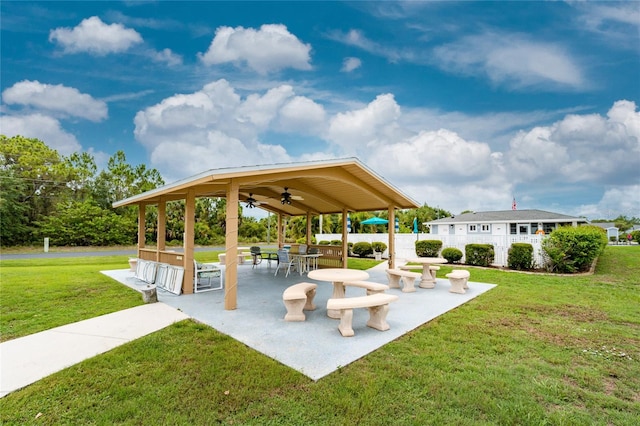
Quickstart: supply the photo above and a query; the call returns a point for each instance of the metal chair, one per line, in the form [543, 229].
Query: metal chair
[205, 277]
[284, 261]
[256, 255]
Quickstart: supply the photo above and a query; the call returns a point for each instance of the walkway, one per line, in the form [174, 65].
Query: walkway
[28, 359]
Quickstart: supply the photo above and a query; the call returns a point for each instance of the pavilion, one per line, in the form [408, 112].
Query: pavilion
[286, 190]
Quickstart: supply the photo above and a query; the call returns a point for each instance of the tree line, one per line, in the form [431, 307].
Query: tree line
[69, 200]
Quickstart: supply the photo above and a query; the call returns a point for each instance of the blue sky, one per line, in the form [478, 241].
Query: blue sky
[463, 105]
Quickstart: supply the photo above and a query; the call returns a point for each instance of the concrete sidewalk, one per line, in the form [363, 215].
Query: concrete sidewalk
[27, 359]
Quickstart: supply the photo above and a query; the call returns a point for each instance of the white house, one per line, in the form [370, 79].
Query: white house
[500, 228]
[613, 233]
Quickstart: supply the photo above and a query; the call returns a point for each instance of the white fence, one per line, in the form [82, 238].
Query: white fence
[405, 243]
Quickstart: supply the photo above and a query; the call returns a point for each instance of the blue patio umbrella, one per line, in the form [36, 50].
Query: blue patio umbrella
[415, 225]
[374, 221]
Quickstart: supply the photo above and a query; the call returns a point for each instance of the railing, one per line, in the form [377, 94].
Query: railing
[331, 256]
[163, 256]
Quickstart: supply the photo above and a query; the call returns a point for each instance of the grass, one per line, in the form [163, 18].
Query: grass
[537, 349]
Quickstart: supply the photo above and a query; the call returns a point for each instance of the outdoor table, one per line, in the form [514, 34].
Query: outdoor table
[337, 276]
[269, 255]
[305, 261]
[428, 280]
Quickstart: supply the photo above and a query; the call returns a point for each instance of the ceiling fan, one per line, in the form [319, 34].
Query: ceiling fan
[252, 202]
[286, 197]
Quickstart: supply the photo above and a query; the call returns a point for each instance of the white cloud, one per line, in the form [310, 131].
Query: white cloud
[622, 200]
[358, 131]
[357, 39]
[269, 49]
[57, 100]
[301, 115]
[215, 127]
[616, 23]
[41, 127]
[350, 64]
[513, 60]
[166, 56]
[581, 148]
[95, 37]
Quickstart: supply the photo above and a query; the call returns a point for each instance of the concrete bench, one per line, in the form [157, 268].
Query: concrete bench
[378, 305]
[458, 279]
[371, 287]
[408, 278]
[297, 298]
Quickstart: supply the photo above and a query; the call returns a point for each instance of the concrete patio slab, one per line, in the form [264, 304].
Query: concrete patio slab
[314, 347]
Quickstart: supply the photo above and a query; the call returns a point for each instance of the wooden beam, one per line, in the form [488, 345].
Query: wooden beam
[161, 226]
[231, 249]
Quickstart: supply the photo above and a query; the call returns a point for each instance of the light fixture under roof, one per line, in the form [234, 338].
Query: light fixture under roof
[285, 196]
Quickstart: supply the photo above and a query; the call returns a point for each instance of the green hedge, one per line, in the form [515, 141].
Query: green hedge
[479, 254]
[362, 249]
[520, 256]
[573, 249]
[452, 254]
[378, 246]
[428, 248]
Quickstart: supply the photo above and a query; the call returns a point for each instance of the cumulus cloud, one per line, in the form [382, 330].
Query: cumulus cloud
[166, 56]
[581, 148]
[511, 59]
[41, 127]
[268, 49]
[56, 100]
[95, 37]
[350, 64]
[358, 131]
[216, 127]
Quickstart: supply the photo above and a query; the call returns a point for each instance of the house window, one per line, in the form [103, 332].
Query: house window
[513, 229]
[548, 227]
[523, 229]
[485, 227]
[473, 228]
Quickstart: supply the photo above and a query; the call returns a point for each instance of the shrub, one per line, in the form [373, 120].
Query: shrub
[452, 254]
[378, 246]
[428, 248]
[479, 254]
[336, 242]
[520, 256]
[324, 243]
[573, 249]
[635, 236]
[362, 249]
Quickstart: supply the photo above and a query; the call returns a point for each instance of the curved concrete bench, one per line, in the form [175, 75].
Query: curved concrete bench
[372, 288]
[297, 298]
[378, 305]
[408, 279]
[458, 279]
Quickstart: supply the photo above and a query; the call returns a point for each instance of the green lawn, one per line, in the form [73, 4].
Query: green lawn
[537, 349]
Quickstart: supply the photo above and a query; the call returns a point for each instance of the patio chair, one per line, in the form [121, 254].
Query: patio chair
[205, 277]
[284, 261]
[256, 255]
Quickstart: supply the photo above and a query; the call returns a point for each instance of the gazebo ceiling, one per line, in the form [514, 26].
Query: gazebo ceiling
[317, 187]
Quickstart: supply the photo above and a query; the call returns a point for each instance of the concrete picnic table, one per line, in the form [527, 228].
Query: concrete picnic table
[428, 280]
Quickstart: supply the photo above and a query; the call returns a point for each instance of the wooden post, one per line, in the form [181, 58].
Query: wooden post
[392, 237]
[141, 226]
[345, 237]
[162, 226]
[189, 232]
[308, 228]
[231, 248]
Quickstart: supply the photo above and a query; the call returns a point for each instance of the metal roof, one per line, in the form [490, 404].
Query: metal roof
[317, 187]
[508, 216]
